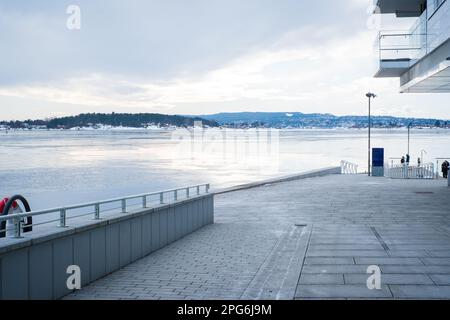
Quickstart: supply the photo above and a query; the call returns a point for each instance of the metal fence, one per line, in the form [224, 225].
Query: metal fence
[404, 171]
[348, 167]
[15, 222]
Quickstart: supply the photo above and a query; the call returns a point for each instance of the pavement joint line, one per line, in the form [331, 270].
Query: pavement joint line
[383, 244]
[443, 232]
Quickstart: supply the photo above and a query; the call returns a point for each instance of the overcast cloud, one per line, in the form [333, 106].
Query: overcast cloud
[195, 57]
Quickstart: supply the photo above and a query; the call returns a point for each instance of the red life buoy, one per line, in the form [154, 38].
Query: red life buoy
[3, 204]
[10, 206]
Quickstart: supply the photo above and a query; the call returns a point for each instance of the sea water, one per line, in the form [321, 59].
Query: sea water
[62, 167]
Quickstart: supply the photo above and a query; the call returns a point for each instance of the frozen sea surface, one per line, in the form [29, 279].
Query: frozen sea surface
[56, 168]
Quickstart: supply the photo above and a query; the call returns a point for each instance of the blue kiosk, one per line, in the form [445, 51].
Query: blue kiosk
[378, 162]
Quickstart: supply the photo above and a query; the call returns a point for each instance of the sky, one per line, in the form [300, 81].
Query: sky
[197, 57]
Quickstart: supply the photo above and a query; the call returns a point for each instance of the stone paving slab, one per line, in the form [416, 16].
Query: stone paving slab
[420, 292]
[440, 279]
[388, 279]
[388, 261]
[353, 221]
[322, 278]
[341, 291]
[332, 260]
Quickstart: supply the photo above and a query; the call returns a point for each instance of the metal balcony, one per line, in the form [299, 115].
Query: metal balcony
[398, 51]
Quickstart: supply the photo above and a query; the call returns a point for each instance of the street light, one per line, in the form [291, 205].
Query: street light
[409, 129]
[370, 96]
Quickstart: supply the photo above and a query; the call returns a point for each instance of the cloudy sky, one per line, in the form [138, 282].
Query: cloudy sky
[196, 57]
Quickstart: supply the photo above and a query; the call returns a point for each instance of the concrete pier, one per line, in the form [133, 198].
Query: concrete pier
[304, 239]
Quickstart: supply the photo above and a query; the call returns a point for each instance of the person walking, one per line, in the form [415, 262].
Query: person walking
[402, 161]
[444, 167]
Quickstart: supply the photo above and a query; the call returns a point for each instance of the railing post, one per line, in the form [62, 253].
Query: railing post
[97, 211]
[161, 198]
[124, 205]
[198, 190]
[175, 195]
[62, 218]
[17, 227]
[187, 192]
[207, 188]
[144, 202]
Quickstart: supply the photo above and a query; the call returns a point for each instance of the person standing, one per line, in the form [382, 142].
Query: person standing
[444, 167]
[403, 162]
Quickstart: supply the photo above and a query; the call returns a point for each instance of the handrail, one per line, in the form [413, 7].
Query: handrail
[348, 167]
[97, 205]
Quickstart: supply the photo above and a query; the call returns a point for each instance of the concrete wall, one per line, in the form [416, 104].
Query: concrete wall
[304, 175]
[35, 267]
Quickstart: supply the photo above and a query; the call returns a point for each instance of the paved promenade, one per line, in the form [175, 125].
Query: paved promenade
[306, 239]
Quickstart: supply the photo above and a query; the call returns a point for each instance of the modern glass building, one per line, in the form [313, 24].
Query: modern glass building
[419, 56]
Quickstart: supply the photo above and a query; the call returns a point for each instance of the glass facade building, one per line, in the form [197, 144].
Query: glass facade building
[419, 56]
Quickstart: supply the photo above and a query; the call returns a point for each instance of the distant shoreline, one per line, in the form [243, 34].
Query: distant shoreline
[119, 128]
[238, 120]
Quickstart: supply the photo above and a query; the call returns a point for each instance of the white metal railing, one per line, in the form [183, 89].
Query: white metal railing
[348, 167]
[404, 171]
[99, 207]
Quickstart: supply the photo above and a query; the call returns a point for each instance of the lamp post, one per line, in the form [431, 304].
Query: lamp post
[370, 96]
[409, 129]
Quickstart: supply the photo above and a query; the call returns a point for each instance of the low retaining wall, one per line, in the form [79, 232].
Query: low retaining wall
[298, 176]
[35, 267]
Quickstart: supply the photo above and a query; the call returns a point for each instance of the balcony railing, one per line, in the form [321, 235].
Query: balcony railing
[401, 46]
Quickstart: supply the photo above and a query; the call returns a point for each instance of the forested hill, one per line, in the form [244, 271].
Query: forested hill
[134, 120]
